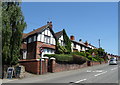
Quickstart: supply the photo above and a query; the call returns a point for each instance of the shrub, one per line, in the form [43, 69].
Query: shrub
[50, 55]
[79, 53]
[61, 57]
[79, 59]
[64, 58]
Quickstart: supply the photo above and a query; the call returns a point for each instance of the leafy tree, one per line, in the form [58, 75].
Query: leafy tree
[13, 25]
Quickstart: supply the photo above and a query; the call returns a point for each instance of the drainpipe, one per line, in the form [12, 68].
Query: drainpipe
[41, 64]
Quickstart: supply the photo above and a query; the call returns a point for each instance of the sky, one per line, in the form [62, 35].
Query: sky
[85, 20]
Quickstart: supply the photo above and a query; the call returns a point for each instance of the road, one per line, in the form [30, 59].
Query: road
[95, 74]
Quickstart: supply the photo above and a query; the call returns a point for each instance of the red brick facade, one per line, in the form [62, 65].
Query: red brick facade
[33, 49]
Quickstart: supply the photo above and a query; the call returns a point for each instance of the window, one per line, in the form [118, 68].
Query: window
[62, 43]
[34, 38]
[47, 39]
[74, 45]
[29, 40]
[47, 50]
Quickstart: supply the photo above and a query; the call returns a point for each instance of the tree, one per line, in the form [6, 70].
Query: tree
[13, 25]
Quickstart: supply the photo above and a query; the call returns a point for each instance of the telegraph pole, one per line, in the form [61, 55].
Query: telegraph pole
[99, 43]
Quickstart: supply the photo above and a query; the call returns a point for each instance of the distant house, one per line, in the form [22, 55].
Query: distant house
[39, 42]
[80, 46]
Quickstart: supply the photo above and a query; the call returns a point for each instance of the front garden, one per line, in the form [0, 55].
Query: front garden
[80, 57]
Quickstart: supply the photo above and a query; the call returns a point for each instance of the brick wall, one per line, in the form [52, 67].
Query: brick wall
[34, 66]
[31, 50]
[39, 44]
[56, 67]
[66, 67]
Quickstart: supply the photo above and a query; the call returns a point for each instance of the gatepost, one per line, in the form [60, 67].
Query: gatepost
[46, 64]
[52, 64]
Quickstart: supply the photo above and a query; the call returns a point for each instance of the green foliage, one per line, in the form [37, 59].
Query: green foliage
[60, 57]
[79, 53]
[68, 58]
[66, 49]
[67, 41]
[60, 49]
[50, 55]
[12, 28]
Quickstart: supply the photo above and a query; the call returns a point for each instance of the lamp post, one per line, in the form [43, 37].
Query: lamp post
[41, 50]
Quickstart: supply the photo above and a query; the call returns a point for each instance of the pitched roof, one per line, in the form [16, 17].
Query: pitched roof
[80, 43]
[92, 46]
[58, 34]
[23, 35]
[35, 31]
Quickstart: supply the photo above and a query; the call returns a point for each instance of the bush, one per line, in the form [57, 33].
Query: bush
[79, 53]
[79, 59]
[68, 58]
[64, 58]
[50, 55]
[61, 57]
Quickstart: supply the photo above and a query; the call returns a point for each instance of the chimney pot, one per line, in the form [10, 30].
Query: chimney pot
[50, 24]
[47, 22]
[72, 37]
[86, 43]
[80, 40]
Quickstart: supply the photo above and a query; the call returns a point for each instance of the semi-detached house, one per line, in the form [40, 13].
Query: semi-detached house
[41, 39]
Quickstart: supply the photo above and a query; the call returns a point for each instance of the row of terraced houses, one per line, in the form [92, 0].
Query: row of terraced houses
[45, 38]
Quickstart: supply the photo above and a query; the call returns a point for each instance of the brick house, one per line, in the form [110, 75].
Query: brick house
[41, 39]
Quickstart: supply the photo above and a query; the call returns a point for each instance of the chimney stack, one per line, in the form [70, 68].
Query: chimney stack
[72, 37]
[50, 24]
[86, 43]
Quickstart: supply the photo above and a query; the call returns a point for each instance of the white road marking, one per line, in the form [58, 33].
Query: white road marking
[95, 71]
[99, 70]
[100, 73]
[89, 71]
[114, 68]
[80, 80]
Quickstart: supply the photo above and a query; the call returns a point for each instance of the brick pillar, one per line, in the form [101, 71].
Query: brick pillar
[46, 64]
[52, 64]
[38, 66]
[41, 66]
[88, 63]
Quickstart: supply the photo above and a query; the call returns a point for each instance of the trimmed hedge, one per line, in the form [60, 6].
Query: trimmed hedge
[67, 58]
[79, 59]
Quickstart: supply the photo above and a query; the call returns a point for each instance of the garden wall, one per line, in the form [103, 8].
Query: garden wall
[34, 66]
[57, 67]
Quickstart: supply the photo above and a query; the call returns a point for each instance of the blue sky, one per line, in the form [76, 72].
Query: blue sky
[85, 20]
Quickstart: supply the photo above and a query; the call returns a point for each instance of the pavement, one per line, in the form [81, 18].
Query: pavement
[103, 73]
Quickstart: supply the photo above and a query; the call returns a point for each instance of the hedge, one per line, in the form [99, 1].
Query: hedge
[68, 58]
